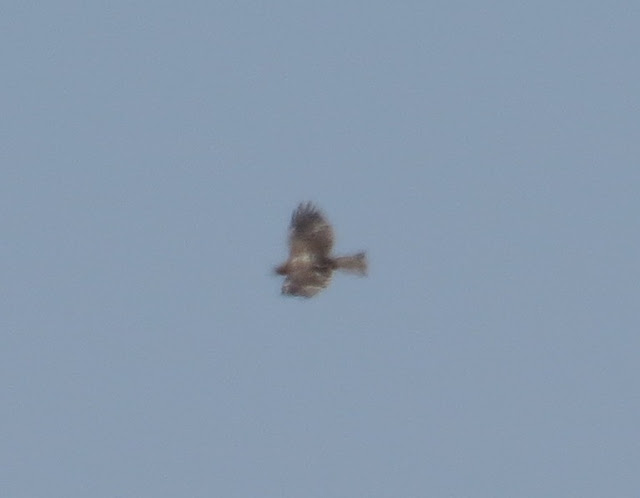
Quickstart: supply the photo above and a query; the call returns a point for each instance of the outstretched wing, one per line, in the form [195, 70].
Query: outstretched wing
[306, 283]
[311, 235]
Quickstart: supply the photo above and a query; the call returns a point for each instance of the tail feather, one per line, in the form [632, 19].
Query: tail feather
[356, 264]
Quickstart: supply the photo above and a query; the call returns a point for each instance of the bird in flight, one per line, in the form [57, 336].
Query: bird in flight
[310, 265]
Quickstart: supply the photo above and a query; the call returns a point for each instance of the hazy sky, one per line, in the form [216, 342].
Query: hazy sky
[485, 154]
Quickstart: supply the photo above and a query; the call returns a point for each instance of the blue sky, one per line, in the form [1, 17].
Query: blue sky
[485, 156]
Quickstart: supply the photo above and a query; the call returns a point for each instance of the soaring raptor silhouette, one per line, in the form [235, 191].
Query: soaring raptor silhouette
[310, 265]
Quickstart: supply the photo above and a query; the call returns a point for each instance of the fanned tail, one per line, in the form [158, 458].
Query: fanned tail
[356, 264]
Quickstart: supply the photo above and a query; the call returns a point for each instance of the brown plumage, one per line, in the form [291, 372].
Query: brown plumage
[310, 265]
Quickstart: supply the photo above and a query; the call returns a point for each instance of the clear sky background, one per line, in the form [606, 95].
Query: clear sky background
[485, 154]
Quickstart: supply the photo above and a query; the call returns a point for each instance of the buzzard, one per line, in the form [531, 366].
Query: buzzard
[310, 265]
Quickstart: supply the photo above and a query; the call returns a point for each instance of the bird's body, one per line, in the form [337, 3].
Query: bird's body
[311, 265]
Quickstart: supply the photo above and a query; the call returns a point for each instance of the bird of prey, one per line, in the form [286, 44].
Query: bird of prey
[310, 265]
